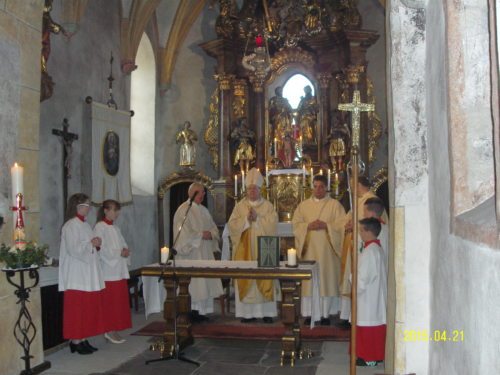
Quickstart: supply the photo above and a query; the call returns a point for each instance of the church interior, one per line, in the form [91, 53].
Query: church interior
[134, 100]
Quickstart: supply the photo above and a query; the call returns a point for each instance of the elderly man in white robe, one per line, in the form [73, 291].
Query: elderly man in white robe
[198, 239]
[317, 226]
[253, 216]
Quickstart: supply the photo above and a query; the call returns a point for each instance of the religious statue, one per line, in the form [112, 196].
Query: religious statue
[48, 27]
[280, 114]
[187, 138]
[337, 149]
[242, 139]
[287, 152]
[308, 116]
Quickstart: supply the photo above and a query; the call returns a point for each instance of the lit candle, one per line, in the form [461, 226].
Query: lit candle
[336, 183]
[329, 179]
[275, 147]
[292, 257]
[300, 144]
[16, 173]
[304, 175]
[243, 181]
[311, 177]
[267, 176]
[164, 252]
[235, 185]
[321, 172]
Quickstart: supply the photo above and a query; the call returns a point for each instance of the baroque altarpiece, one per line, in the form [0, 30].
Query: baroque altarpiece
[261, 45]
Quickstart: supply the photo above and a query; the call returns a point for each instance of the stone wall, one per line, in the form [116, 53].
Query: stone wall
[20, 37]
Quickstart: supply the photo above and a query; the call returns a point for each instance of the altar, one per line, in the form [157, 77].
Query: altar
[290, 281]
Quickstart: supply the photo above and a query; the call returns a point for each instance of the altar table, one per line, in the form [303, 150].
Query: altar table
[290, 281]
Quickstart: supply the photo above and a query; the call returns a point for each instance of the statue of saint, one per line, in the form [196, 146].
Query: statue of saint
[308, 116]
[338, 150]
[280, 115]
[242, 138]
[187, 138]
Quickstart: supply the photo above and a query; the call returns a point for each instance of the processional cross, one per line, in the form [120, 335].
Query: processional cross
[356, 107]
[67, 139]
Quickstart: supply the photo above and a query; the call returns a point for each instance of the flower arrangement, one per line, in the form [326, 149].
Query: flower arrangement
[23, 256]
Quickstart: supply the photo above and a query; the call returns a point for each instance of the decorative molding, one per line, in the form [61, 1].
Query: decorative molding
[128, 66]
[133, 26]
[211, 135]
[324, 79]
[353, 73]
[291, 56]
[224, 80]
[184, 175]
[187, 13]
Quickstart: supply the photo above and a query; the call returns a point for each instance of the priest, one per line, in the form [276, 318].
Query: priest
[198, 239]
[253, 216]
[317, 226]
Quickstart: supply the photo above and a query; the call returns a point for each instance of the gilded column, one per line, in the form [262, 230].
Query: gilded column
[324, 115]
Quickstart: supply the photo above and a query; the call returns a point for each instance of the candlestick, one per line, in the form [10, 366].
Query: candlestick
[329, 179]
[235, 185]
[164, 253]
[292, 257]
[16, 173]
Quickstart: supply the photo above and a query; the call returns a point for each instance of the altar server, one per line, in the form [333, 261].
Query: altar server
[80, 277]
[253, 216]
[115, 258]
[198, 239]
[317, 226]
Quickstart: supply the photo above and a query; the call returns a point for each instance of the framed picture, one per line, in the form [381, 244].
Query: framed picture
[268, 251]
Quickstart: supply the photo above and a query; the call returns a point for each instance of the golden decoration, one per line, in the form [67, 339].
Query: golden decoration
[286, 194]
[353, 73]
[290, 57]
[211, 136]
[374, 123]
[239, 99]
[356, 107]
[224, 80]
[379, 178]
[324, 80]
[343, 88]
[185, 175]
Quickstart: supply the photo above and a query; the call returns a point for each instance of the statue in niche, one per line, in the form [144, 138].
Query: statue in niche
[187, 138]
[287, 152]
[48, 27]
[337, 150]
[308, 116]
[280, 117]
[242, 138]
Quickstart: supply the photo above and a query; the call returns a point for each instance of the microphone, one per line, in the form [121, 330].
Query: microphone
[192, 198]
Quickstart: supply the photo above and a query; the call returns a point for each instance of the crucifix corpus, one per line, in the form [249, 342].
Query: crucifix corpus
[67, 139]
[356, 107]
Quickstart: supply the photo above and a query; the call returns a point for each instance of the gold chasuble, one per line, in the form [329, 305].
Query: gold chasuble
[323, 246]
[244, 240]
[345, 285]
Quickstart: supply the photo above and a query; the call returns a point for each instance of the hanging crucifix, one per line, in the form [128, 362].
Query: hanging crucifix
[356, 107]
[67, 139]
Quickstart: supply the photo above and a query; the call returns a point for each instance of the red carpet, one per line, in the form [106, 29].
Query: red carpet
[250, 331]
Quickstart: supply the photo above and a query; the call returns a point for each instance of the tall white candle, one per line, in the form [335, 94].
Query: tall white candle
[243, 181]
[235, 185]
[311, 176]
[164, 253]
[329, 179]
[292, 257]
[267, 176]
[275, 147]
[16, 173]
[321, 172]
[336, 183]
[300, 144]
[304, 175]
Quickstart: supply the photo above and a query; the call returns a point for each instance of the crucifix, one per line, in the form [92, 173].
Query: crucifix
[67, 139]
[356, 107]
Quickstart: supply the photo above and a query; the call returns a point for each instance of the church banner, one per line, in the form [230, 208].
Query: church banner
[110, 154]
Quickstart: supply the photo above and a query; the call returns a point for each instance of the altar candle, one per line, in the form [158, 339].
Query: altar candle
[235, 185]
[292, 257]
[311, 176]
[336, 183]
[304, 175]
[275, 147]
[165, 252]
[16, 173]
[243, 181]
[329, 179]
[300, 144]
[267, 176]
[321, 172]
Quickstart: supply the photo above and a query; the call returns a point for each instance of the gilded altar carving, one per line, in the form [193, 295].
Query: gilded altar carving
[239, 99]
[353, 73]
[211, 136]
[185, 175]
[286, 194]
[225, 22]
[287, 57]
[374, 123]
[324, 80]
[379, 178]
[224, 80]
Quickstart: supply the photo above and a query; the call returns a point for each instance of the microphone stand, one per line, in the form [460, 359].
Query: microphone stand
[175, 353]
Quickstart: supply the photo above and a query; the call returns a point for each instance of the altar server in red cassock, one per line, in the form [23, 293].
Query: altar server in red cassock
[115, 258]
[80, 277]
[372, 296]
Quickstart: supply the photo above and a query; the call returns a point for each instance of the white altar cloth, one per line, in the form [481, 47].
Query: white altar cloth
[154, 293]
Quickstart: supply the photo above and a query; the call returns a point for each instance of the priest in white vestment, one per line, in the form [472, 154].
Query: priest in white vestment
[253, 216]
[318, 236]
[198, 239]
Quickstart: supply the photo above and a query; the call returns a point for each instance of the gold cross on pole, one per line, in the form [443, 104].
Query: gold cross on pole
[356, 107]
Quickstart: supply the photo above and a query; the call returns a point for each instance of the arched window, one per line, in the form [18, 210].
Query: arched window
[142, 102]
[293, 89]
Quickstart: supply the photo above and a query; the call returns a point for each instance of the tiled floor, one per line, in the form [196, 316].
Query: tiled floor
[217, 357]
